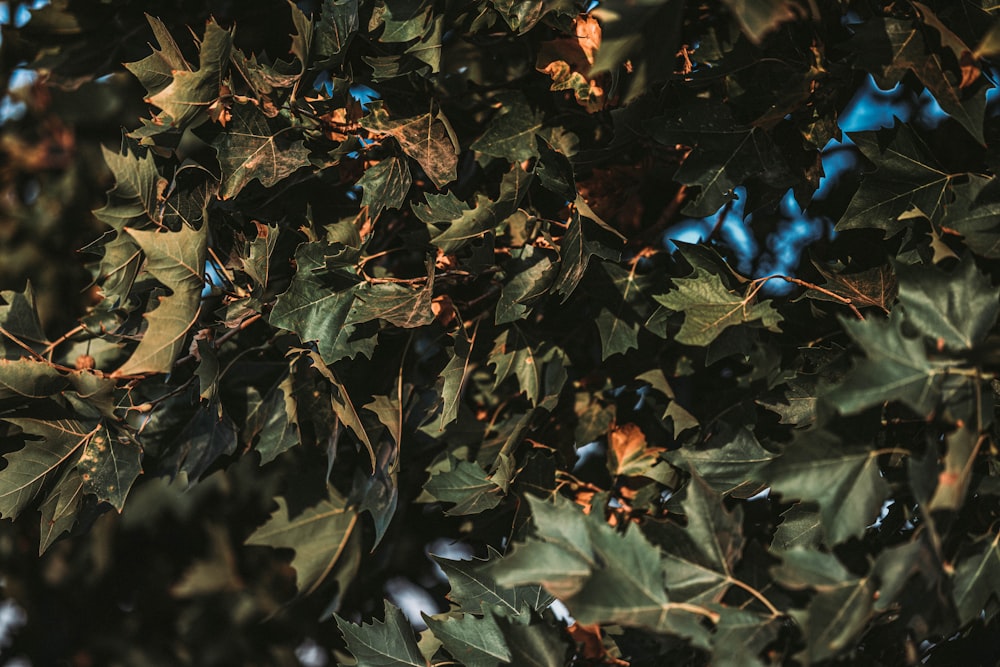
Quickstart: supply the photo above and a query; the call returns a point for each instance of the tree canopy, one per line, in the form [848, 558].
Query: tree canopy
[362, 332]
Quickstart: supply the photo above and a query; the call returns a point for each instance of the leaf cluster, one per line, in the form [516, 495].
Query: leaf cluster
[374, 279]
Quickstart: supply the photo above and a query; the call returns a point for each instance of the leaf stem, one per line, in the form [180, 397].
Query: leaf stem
[802, 283]
[50, 348]
[756, 594]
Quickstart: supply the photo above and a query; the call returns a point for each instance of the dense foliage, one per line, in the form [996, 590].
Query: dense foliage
[381, 284]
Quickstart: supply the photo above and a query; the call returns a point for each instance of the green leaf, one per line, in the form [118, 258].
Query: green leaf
[344, 406]
[910, 50]
[473, 641]
[602, 576]
[465, 223]
[801, 526]
[156, 71]
[475, 589]
[254, 147]
[317, 534]
[953, 482]
[30, 378]
[974, 215]
[468, 486]
[19, 318]
[54, 442]
[699, 560]
[841, 607]
[59, 510]
[977, 578]
[725, 154]
[539, 369]
[191, 92]
[177, 260]
[385, 185]
[387, 643]
[844, 480]
[511, 133]
[796, 405]
[617, 336]
[740, 637]
[109, 465]
[906, 179]
[709, 308]
[278, 416]
[730, 463]
[400, 305]
[257, 263]
[531, 272]
[536, 645]
[427, 138]
[378, 493]
[897, 368]
[454, 376]
[576, 248]
[314, 309]
[958, 308]
[337, 24]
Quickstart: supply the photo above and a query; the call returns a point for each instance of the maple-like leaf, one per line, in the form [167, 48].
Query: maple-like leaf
[601, 576]
[730, 463]
[912, 51]
[466, 485]
[959, 308]
[400, 305]
[584, 238]
[385, 185]
[177, 260]
[617, 335]
[975, 215]
[699, 559]
[51, 443]
[531, 272]
[254, 147]
[427, 138]
[454, 376]
[156, 71]
[477, 641]
[511, 133]
[872, 288]
[538, 368]
[315, 309]
[190, 93]
[841, 607]
[977, 578]
[317, 534]
[628, 452]
[336, 26]
[844, 480]
[60, 508]
[387, 643]
[907, 178]
[109, 465]
[897, 368]
[724, 154]
[474, 589]
[709, 308]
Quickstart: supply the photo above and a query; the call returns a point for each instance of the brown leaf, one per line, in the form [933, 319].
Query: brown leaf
[628, 452]
[875, 287]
